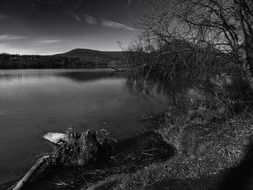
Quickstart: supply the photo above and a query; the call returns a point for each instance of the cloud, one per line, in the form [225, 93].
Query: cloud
[89, 19]
[6, 37]
[48, 41]
[82, 17]
[75, 16]
[113, 24]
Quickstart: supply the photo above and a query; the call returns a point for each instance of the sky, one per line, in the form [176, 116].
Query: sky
[54, 26]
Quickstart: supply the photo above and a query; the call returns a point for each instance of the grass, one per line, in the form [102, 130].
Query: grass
[210, 137]
[200, 161]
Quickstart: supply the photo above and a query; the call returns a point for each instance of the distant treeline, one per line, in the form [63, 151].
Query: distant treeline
[8, 61]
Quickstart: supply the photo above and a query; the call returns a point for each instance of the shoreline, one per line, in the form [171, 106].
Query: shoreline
[136, 159]
[211, 159]
[124, 152]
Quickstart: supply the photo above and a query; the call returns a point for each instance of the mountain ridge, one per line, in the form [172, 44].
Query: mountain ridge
[75, 58]
[90, 53]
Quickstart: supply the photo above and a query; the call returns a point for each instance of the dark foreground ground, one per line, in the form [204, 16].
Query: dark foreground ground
[129, 156]
[198, 155]
[208, 156]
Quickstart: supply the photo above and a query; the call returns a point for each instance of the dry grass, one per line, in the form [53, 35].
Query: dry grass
[206, 153]
[207, 143]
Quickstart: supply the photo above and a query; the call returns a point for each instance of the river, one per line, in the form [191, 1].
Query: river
[34, 102]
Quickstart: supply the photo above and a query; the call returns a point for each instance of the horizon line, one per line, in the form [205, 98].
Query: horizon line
[62, 52]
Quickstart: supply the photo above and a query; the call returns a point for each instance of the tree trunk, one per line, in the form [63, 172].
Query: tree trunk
[249, 52]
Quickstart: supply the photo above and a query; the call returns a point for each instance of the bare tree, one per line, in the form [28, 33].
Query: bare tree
[245, 16]
[224, 25]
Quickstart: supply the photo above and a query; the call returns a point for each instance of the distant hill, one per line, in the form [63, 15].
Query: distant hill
[94, 55]
[76, 58]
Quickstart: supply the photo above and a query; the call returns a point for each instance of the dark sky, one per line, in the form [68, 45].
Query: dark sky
[52, 26]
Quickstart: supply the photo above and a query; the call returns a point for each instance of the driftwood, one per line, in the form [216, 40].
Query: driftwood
[56, 138]
[81, 148]
[72, 149]
[29, 174]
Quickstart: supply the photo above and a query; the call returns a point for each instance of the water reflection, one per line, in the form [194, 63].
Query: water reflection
[33, 102]
[78, 76]
[175, 94]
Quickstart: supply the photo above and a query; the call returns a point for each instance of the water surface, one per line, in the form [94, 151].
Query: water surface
[34, 102]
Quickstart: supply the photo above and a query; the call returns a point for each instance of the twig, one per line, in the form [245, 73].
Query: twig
[147, 154]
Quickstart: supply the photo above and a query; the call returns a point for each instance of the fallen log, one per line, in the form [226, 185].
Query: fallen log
[29, 174]
[70, 149]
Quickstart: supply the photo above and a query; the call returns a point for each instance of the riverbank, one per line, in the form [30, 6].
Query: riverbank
[208, 157]
[129, 156]
[198, 156]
